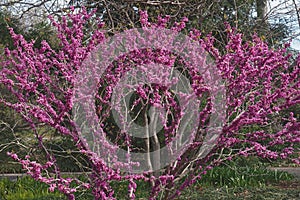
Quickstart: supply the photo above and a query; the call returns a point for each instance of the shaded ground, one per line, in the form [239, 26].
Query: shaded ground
[28, 189]
[279, 190]
[258, 193]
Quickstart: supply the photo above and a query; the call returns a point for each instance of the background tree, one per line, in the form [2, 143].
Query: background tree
[249, 16]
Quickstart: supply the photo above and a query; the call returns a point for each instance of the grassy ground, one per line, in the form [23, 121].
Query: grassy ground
[233, 181]
[24, 189]
[251, 193]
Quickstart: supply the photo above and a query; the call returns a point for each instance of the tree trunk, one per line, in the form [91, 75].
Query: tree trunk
[261, 8]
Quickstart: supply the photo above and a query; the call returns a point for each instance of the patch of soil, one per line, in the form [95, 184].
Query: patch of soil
[287, 185]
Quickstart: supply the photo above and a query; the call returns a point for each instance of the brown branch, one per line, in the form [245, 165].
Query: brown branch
[156, 3]
[297, 12]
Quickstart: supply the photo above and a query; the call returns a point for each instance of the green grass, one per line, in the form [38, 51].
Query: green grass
[251, 193]
[23, 189]
[26, 188]
[243, 176]
[241, 179]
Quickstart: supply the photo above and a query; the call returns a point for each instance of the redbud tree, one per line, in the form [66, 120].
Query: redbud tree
[165, 110]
